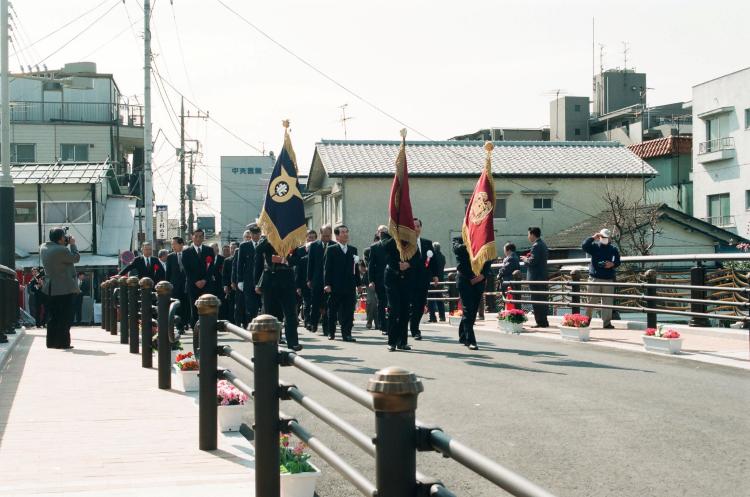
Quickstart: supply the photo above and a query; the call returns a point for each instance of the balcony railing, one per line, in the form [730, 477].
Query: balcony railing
[726, 143]
[720, 221]
[76, 112]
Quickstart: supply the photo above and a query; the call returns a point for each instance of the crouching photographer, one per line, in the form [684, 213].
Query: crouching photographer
[59, 256]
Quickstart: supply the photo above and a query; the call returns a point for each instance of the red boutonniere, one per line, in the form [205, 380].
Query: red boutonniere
[209, 261]
[156, 267]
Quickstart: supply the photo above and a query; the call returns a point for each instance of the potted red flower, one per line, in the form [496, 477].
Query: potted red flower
[511, 320]
[575, 327]
[297, 475]
[455, 316]
[186, 372]
[664, 341]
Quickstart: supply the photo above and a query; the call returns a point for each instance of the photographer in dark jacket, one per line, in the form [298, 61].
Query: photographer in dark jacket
[59, 256]
[605, 259]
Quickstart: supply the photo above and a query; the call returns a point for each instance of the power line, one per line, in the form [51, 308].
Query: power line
[120, 33]
[89, 26]
[182, 51]
[63, 26]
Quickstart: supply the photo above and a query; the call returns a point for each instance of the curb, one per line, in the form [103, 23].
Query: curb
[7, 348]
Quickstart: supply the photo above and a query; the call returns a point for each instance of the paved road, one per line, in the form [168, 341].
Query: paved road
[578, 420]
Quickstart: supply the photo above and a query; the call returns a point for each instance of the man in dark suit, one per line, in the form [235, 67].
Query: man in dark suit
[145, 266]
[424, 274]
[198, 260]
[437, 305]
[376, 274]
[399, 288]
[470, 288]
[300, 277]
[511, 263]
[240, 317]
[536, 263]
[175, 274]
[315, 261]
[274, 280]
[245, 273]
[226, 284]
[340, 280]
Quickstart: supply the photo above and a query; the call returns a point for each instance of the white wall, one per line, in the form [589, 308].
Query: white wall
[730, 175]
[48, 138]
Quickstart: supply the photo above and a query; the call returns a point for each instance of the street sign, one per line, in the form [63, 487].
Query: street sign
[127, 257]
[162, 222]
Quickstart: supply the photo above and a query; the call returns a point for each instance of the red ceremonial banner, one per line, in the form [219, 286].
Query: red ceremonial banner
[401, 222]
[478, 229]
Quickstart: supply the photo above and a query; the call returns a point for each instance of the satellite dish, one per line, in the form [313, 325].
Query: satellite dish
[127, 257]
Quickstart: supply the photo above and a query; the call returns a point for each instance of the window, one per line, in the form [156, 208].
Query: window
[543, 203]
[718, 210]
[578, 131]
[338, 207]
[26, 212]
[747, 118]
[501, 205]
[577, 107]
[74, 152]
[22, 152]
[67, 212]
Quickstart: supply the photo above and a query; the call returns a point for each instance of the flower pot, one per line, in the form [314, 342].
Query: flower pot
[662, 345]
[573, 333]
[360, 316]
[508, 327]
[454, 320]
[185, 381]
[230, 417]
[173, 355]
[299, 484]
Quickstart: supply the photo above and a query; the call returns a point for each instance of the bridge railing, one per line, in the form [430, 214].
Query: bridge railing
[391, 396]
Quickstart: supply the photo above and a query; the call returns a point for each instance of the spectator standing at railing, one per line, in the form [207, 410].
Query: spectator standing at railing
[510, 264]
[470, 288]
[59, 256]
[439, 269]
[605, 259]
[536, 270]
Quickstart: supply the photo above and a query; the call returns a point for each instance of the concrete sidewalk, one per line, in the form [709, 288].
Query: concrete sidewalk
[723, 346]
[92, 422]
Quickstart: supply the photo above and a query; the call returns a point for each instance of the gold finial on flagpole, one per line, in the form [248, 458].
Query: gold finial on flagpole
[489, 146]
[285, 123]
[403, 133]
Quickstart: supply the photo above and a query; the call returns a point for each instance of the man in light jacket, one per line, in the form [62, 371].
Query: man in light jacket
[59, 256]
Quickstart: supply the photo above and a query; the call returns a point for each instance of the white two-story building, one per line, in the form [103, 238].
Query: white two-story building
[721, 151]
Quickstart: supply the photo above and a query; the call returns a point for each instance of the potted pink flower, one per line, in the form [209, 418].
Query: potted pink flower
[297, 475]
[664, 341]
[511, 321]
[575, 327]
[231, 405]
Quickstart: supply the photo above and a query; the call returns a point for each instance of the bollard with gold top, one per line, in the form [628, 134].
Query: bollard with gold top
[103, 296]
[147, 332]
[208, 312]
[164, 357]
[394, 394]
[132, 284]
[266, 330]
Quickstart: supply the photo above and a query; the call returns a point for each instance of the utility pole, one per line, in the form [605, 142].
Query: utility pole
[191, 196]
[148, 192]
[7, 193]
[183, 224]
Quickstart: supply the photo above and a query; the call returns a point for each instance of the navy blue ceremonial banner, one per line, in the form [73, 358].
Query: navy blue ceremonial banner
[283, 216]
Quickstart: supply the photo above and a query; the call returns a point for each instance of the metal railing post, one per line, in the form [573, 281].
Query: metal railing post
[147, 332]
[104, 300]
[650, 292]
[112, 325]
[394, 393]
[575, 276]
[123, 294]
[265, 330]
[698, 278]
[133, 314]
[164, 297]
[208, 310]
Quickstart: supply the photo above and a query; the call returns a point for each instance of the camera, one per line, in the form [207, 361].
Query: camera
[67, 236]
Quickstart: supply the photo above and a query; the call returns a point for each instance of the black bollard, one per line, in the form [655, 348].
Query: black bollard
[650, 292]
[266, 330]
[394, 393]
[147, 300]
[103, 299]
[698, 278]
[123, 289]
[164, 296]
[208, 310]
[113, 300]
[132, 283]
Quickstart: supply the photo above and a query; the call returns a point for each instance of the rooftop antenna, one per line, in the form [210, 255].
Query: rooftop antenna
[344, 118]
[625, 50]
[557, 92]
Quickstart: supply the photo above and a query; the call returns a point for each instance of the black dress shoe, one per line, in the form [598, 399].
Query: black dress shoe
[349, 339]
[404, 347]
[432, 320]
[383, 332]
[297, 348]
[331, 337]
[417, 337]
[282, 341]
[391, 348]
[67, 347]
[608, 327]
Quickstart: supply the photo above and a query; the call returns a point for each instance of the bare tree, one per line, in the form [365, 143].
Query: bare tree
[635, 224]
